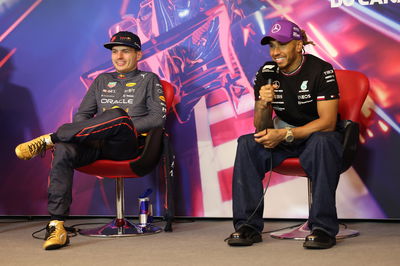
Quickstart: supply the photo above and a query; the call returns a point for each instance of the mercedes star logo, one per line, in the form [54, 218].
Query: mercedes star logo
[276, 28]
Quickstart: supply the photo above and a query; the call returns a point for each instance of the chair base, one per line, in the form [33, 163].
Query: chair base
[300, 233]
[121, 228]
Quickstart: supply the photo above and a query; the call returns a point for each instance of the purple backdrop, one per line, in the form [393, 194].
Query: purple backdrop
[51, 51]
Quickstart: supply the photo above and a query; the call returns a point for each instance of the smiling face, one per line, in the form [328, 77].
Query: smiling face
[125, 58]
[286, 55]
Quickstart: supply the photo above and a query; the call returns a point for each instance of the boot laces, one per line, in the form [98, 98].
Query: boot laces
[50, 232]
[38, 146]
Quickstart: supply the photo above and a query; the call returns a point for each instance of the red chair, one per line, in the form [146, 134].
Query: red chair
[353, 88]
[156, 144]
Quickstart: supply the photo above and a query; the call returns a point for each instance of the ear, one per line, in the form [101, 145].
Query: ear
[139, 55]
[299, 46]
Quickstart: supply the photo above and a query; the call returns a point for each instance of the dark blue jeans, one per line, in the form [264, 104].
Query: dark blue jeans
[320, 156]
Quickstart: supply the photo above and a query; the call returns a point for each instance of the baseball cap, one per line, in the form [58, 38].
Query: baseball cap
[283, 31]
[125, 38]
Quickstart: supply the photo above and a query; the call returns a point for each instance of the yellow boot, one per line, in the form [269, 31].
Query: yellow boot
[56, 235]
[30, 149]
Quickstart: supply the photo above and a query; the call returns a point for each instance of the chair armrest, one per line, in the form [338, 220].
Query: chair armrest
[151, 154]
[351, 132]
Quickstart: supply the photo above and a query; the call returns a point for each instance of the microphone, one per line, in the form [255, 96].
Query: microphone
[270, 72]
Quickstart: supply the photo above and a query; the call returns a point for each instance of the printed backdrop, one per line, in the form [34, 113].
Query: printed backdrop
[51, 51]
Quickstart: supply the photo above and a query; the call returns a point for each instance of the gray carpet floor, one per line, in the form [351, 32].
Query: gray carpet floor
[197, 242]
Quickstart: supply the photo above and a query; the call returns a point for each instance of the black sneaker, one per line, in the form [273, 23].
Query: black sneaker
[245, 236]
[319, 239]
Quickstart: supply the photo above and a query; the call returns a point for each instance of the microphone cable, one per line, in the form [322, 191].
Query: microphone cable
[265, 190]
[262, 196]
[70, 230]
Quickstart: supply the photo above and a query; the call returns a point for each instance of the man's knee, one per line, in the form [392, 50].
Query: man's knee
[249, 148]
[323, 139]
[245, 140]
[115, 112]
[322, 146]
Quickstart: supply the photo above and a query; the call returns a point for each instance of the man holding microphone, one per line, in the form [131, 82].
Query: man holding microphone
[302, 91]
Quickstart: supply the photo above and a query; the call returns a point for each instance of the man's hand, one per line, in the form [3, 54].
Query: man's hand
[267, 93]
[270, 138]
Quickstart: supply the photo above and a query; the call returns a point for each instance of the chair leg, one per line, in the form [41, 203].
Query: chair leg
[300, 232]
[168, 169]
[120, 227]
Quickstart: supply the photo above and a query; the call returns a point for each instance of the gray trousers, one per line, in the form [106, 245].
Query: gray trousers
[109, 135]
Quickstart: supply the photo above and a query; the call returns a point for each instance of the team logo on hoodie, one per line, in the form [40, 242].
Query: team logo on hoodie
[111, 84]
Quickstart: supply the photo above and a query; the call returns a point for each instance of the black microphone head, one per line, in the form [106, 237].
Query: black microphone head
[270, 72]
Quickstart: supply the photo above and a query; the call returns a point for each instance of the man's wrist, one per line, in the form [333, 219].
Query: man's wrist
[289, 137]
[282, 133]
[263, 105]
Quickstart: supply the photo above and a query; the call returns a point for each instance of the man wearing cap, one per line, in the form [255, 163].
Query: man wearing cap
[302, 91]
[117, 107]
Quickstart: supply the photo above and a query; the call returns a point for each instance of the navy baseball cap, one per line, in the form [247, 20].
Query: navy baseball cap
[283, 31]
[125, 38]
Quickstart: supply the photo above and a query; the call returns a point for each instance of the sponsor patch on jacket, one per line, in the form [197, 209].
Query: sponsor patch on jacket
[111, 84]
[130, 84]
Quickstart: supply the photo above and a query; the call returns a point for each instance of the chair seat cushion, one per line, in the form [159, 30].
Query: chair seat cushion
[291, 167]
[109, 168]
